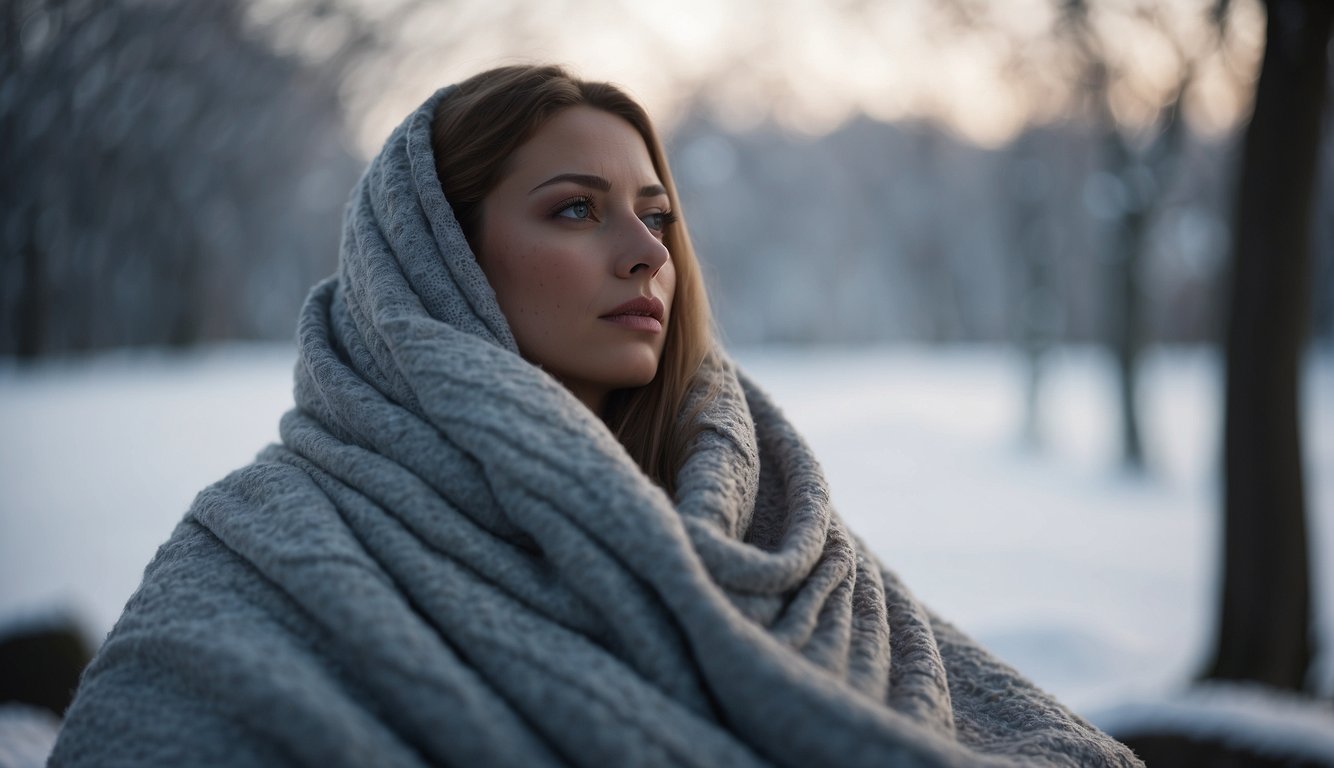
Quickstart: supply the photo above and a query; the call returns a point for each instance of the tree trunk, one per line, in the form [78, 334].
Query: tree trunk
[1264, 630]
[1127, 331]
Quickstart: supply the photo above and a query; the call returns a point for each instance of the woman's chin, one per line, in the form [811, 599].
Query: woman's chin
[635, 368]
[632, 382]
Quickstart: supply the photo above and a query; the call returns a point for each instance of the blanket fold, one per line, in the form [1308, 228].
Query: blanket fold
[448, 560]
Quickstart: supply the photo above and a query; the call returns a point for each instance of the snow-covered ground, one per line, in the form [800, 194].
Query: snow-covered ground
[1248, 718]
[1097, 584]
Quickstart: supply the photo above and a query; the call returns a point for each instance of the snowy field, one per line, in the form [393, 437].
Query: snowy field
[1098, 585]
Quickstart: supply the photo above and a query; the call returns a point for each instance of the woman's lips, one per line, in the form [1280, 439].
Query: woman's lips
[636, 322]
[642, 313]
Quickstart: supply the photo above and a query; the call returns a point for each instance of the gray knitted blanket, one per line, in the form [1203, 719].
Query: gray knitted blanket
[449, 560]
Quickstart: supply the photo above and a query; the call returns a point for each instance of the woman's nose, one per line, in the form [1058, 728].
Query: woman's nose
[641, 253]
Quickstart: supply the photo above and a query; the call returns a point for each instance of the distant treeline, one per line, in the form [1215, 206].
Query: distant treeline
[903, 232]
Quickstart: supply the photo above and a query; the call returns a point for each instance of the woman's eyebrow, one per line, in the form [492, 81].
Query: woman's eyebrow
[582, 179]
[598, 183]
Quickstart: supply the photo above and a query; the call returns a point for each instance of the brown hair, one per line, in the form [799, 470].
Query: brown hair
[474, 133]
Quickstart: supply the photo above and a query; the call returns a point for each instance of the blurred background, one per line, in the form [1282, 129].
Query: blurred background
[1049, 284]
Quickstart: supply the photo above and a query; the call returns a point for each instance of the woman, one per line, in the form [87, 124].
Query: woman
[526, 513]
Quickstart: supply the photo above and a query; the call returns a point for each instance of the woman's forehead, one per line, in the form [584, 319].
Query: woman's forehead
[583, 140]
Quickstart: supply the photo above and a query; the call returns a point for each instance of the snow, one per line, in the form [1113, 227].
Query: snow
[100, 458]
[27, 735]
[1098, 584]
[1250, 717]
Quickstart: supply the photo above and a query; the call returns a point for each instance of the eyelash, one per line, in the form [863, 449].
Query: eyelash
[565, 205]
[668, 217]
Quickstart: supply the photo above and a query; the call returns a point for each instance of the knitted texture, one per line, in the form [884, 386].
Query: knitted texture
[449, 560]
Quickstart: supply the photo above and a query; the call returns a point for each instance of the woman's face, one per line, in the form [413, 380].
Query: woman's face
[571, 240]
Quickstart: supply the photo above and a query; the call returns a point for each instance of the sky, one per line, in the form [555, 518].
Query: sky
[982, 69]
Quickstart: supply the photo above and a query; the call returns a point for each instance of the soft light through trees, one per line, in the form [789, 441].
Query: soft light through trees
[767, 78]
[986, 70]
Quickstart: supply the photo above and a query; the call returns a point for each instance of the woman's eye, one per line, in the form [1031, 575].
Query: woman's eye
[657, 221]
[579, 210]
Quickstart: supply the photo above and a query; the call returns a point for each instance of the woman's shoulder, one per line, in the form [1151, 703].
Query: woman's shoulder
[200, 570]
[162, 688]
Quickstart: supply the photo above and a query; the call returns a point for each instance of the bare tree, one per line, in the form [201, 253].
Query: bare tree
[1137, 173]
[166, 177]
[1264, 628]
[1036, 291]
